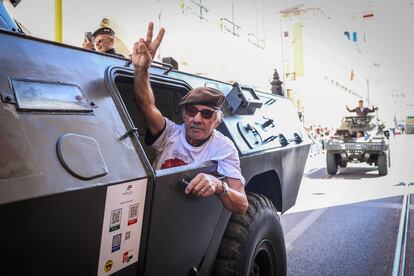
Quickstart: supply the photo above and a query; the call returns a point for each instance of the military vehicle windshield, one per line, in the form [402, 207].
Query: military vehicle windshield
[358, 121]
[357, 128]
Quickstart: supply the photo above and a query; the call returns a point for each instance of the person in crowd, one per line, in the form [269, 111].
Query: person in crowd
[195, 141]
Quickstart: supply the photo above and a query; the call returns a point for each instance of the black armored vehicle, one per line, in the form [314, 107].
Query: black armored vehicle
[78, 194]
[359, 139]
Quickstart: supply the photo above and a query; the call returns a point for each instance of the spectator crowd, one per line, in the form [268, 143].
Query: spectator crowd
[320, 136]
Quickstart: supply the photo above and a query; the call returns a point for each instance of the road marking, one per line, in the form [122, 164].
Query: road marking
[401, 244]
[328, 177]
[311, 171]
[301, 227]
[384, 205]
[298, 230]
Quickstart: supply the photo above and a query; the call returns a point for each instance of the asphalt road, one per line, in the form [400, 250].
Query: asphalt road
[347, 224]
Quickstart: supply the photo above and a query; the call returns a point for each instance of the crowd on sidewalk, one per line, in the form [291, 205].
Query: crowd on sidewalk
[319, 135]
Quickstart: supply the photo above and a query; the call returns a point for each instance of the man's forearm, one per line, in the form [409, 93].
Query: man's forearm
[146, 101]
[142, 90]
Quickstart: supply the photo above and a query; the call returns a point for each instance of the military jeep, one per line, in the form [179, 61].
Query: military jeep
[78, 194]
[359, 139]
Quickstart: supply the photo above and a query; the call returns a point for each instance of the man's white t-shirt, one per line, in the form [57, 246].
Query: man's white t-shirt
[173, 150]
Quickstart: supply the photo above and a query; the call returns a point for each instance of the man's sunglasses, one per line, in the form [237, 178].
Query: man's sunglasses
[205, 113]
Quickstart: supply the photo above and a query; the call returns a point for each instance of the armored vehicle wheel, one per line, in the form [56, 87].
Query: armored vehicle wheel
[253, 244]
[343, 164]
[331, 163]
[382, 164]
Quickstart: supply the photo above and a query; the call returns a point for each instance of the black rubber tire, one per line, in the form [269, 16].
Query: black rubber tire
[253, 240]
[331, 163]
[382, 164]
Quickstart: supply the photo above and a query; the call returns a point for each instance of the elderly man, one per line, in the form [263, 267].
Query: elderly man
[361, 110]
[104, 40]
[196, 140]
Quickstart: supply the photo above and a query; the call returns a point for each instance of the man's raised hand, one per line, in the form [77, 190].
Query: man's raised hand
[144, 50]
[153, 45]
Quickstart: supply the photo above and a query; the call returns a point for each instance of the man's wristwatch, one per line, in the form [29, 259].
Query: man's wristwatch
[225, 189]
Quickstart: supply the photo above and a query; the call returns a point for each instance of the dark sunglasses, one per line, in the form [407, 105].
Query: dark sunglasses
[205, 113]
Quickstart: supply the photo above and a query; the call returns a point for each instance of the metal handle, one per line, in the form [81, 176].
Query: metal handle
[129, 133]
[185, 182]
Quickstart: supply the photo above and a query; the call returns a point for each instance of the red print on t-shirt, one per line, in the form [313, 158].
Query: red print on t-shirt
[170, 163]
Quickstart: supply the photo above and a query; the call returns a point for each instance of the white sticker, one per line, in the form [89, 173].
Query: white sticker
[122, 226]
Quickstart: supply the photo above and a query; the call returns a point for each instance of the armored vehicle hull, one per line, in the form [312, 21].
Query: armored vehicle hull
[78, 194]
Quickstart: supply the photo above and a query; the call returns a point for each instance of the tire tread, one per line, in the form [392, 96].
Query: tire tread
[237, 233]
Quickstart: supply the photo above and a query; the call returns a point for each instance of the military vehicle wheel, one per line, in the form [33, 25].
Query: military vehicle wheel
[331, 163]
[382, 164]
[343, 164]
[253, 244]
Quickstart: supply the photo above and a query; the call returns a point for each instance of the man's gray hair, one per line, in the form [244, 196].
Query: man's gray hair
[219, 115]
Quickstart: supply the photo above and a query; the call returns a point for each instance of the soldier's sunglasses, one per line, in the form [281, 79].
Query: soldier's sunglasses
[205, 113]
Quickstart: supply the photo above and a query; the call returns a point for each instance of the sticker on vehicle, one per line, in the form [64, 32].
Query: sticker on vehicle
[133, 214]
[123, 215]
[115, 222]
[116, 242]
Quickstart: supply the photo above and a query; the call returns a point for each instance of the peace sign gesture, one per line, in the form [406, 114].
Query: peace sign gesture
[144, 50]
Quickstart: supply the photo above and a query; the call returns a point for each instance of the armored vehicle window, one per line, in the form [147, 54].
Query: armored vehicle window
[358, 134]
[342, 133]
[166, 99]
[49, 96]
